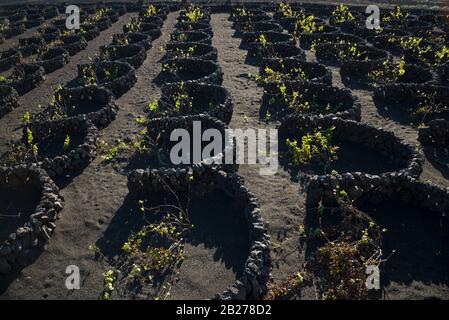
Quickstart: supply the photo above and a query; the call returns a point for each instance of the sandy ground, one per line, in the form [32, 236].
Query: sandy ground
[96, 206]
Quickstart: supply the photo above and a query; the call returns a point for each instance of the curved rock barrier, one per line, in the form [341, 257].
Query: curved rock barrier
[409, 99]
[133, 54]
[190, 69]
[252, 283]
[88, 31]
[295, 69]
[191, 36]
[88, 102]
[116, 76]
[50, 33]
[30, 46]
[190, 50]
[9, 99]
[26, 77]
[9, 58]
[73, 43]
[314, 98]
[159, 131]
[261, 26]
[63, 146]
[401, 156]
[279, 51]
[436, 132]
[53, 59]
[132, 38]
[38, 221]
[205, 98]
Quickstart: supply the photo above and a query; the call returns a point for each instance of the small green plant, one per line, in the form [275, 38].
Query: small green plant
[307, 25]
[150, 11]
[133, 26]
[279, 76]
[342, 14]
[193, 14]
[181, 99]
[287, 12]
[109, 277]
[442, 55]
[170, 68]
[241, 12]
[26, 118]
[389, 73]
[396, 16]
[140, 121]
[262, 40]
[153, 106]
[187, 53]
[428, 104]
[89, 76]
[67, 142]
[315, 147]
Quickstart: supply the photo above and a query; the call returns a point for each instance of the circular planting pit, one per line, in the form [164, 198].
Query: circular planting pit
[413, 74]
[279, 51]
[291, 25]
[53, 59]
[150, 29]
[26, 77]
[205, 19]
[161, 146]
[412, 103]
[50, 12]
[50, 33]
[73, 43]
[64, 146]
[189, 69]
[135, 38]
[94, 103]
[195, 26]
[389, 42]
[314, 98]
[306, 40]
[261, 26]
[238, 23]
[152, 19]
[190, 50]
[103, 23]
[116, 76]
[30, 46]
[9, 59]
[355, 62]
[113, 16]
[414, 217]
[9, 99]
[15, 29]
[416, 74]
[20, 15]
[361, 148]
[252, 39]
[60, 23]
[436, 132]
[135, 55]
[30, 204]
[294, 69]
[217, 205]
[195, 98]
[31, 23]
[191, 36]
[88, 31]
